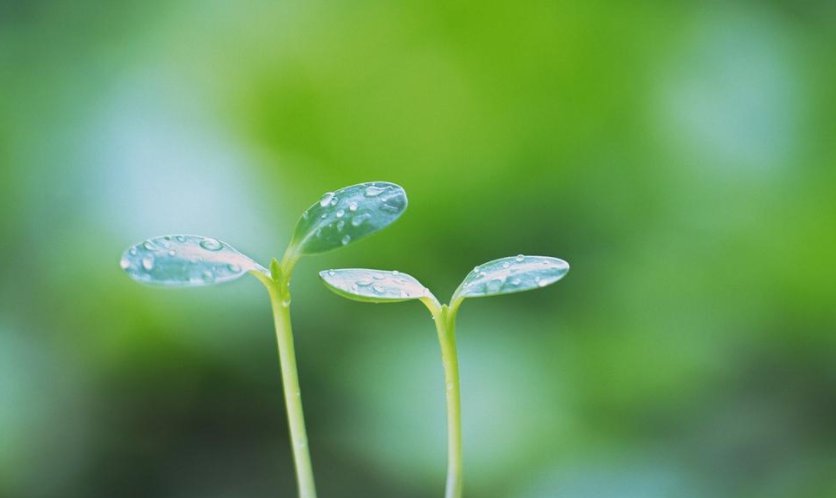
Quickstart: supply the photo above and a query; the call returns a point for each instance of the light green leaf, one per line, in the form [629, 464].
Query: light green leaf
[347, 215]
[509, 275]
[185, 261]
[373, 286]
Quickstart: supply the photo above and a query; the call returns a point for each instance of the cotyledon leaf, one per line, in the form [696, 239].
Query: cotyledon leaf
[514, 274]
[348, 214]
[373, 286]
[185, 261]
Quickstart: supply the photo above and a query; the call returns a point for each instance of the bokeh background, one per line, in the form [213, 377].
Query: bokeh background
[681, 156]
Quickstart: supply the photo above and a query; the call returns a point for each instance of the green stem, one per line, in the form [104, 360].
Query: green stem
[280, 300]
[445, 323]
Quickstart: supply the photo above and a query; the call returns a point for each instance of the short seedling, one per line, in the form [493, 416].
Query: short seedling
[501, 276]
[336, 220]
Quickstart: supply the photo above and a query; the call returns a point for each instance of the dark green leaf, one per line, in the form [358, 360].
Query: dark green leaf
[347, 215]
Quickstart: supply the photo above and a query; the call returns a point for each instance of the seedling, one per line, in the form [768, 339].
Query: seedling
[337, 219]
[501, 276]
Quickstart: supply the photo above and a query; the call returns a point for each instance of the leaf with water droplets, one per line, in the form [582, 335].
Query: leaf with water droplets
[509, 275]
[347, 215]
[185, 261]
[373, 286]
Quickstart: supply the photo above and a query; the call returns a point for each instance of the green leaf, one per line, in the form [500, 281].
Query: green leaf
[509, 275]
[185, 261]
[347, 215]
[373, 286]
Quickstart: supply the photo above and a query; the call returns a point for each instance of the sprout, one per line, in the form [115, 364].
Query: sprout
[500, 276]
[337, 219]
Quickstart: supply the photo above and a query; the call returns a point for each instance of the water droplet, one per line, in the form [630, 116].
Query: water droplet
[390, 208]
[233, 268]
[124, 263]
[352, 206]
[172, 252]
[494, 285]
[378, 276]
[542, 283]
[340, 213]
[149, 245]
[324, 215]
[373, 191]
[516, 282]
[519, 258]
[476, 268]
[211, 244]
[340, 225]
[345, 240]
[359, 219]
[395, 272]
[506, 265]
[482, 274]
[133, 251]
[326, 199]
[148, 263]
[334, 201]
[331, 273]
[286, 302]
[208, 276]
[404, 293]
[377, 289]
[180, 238]
[364, 283]
[167, 237]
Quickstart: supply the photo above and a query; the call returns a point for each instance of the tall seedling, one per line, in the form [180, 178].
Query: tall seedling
[337, 219]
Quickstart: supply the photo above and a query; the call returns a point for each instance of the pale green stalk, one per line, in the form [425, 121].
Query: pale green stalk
[445, 324]
[279, 290]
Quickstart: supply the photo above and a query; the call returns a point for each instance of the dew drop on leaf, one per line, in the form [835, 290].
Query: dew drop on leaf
[373, 191]
[211, 244]
[326, 199]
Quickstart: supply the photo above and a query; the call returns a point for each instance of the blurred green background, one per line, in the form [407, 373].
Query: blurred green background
[681, 156]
